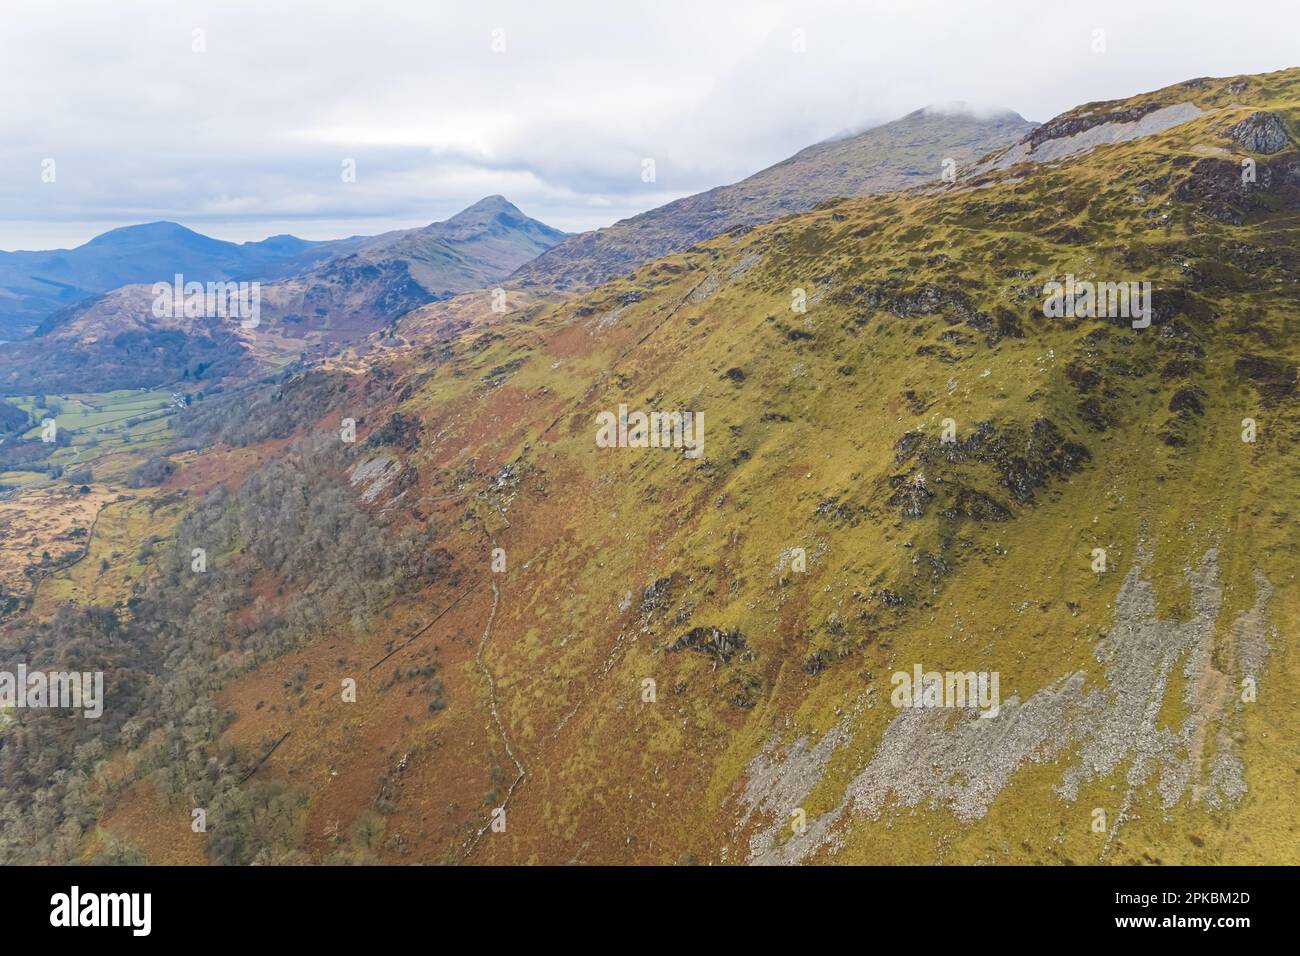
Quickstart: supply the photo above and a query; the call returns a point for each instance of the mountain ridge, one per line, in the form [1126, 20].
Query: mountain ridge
[154, 251]
[362, 286]
[907, 151]
[139, 253]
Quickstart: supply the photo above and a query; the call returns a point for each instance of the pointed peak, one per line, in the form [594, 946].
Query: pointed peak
[488, 206]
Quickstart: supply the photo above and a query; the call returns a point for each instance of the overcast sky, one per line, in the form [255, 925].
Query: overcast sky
[241, 131]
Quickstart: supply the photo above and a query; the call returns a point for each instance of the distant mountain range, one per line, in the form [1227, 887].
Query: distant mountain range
[907, 152]
[345, 290]
[389, 275]
[372, 279]
[35, 284]
[93, 302]
[376, 276]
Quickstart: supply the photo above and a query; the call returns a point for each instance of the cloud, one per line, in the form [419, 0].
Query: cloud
[235, 118]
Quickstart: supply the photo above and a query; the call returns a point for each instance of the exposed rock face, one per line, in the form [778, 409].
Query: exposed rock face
[1261, 133]
[1023, 459]
[1079, 132]
[720, 644]
[926, 759]
[1218, 189]
[1075, 122]
[1274, 379]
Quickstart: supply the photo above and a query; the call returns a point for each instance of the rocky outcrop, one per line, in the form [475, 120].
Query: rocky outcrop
[713, 641]
[1261, 133]
[1081, 131]
[1098, 729]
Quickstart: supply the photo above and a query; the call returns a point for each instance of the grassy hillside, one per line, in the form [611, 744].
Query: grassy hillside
[823, 432]
[647, 657]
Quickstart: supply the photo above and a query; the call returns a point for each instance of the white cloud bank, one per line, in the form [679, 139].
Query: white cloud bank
[247, 137]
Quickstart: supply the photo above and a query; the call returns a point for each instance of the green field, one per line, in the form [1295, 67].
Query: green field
[97, 425]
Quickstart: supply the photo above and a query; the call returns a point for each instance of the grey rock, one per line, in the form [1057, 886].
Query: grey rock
[1261, 133]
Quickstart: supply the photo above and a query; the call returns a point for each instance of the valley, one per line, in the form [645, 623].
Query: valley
[469, 630]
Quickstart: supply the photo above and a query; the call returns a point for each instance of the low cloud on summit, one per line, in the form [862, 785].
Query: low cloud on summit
[247, 137]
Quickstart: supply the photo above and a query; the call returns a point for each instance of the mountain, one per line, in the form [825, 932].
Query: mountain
[391, 274]
[906, 152]
[678, 655]
[113, 340]
[35, 284]
[370, 279]
[497, 628]
[487, 240]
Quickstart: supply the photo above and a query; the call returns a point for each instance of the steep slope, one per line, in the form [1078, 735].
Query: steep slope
[114, 340]
[907, 152]
[490, 238]
[35, 284]
[563, 652]
[394, 273]
[1121, 691]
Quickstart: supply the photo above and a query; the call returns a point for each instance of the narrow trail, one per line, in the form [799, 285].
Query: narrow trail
[90, 537]
[265, 757]
[473, 843]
